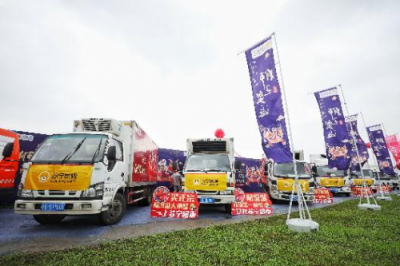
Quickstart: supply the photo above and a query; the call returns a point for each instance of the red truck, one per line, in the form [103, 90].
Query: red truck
[9, 160]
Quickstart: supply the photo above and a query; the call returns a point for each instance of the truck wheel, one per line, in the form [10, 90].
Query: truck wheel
[115, 212]
[228, 208]
[48, 218]
[148, 197]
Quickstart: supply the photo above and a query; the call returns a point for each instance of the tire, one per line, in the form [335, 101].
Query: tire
[48, 218]
[228, 208]
[148, 197]
[348, 194]
[115, 212]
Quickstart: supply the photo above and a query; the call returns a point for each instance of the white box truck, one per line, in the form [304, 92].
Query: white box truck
[98, 169]
[209, 171]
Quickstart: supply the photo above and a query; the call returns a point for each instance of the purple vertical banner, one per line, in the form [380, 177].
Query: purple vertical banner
[268, 102]
[378, 143]
[250, 175]
[351, 123]
[338, 146]
[166, 159]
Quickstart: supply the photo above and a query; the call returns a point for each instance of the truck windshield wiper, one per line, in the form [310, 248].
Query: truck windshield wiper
[97, 151]
[69, 155]
[194, 170]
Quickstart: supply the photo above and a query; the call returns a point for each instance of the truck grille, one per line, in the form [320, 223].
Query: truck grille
[96, 125]
[209, 146]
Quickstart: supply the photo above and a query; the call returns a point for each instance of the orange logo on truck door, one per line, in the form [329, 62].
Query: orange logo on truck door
[58, 177]
[286, 185]
[206, 182]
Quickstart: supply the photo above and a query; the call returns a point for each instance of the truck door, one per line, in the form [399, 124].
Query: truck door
[117, 167]
[8, 166]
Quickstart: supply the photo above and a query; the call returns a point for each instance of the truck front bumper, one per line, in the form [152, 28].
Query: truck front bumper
[218, 199]
[286, 196]
[72, 207]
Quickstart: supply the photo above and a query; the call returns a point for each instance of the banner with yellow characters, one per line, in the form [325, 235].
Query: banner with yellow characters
[58, 177]
[286, 185]
[207, 181]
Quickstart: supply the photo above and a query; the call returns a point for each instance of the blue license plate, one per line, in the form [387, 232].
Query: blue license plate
[206, 200]
[53, 206]
[295, 198]
[334, 190]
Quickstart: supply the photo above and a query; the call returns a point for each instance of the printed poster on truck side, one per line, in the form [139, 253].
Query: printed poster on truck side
[174, 204]
[251, 203]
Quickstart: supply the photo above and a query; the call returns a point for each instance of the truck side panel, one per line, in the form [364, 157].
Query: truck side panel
[145, 157]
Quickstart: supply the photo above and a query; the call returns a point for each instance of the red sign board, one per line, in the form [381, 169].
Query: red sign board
[362, 191]
[251, 203]
[385, 189]
[323, 195]
[174, 204]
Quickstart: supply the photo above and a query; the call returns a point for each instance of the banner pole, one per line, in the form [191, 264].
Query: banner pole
[373, 153]
[354, 142]
[299, 191]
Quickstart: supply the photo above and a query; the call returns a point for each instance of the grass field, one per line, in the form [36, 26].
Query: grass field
[347, 236]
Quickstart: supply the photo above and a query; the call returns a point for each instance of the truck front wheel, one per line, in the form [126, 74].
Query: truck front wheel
[228, 208]
[115, 211]
[48, 218]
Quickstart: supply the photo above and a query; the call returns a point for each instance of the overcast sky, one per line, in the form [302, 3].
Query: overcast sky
[173, 66]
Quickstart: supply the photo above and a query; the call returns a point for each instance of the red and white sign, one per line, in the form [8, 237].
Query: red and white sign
[362, 191]
[323, 195]
[251, 203]
[385, 189]
[174, 204]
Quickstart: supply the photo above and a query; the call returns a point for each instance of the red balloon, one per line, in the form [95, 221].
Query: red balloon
[368, 145]
[219, 133]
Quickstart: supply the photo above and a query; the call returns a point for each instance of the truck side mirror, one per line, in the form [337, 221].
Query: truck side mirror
[238, 165]
[266, 167]
[8, 149]
[314, 171]
[112, 153]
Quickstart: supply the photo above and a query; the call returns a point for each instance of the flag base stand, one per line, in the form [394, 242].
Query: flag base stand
[386, 198]
[302, 225]
[368, 206]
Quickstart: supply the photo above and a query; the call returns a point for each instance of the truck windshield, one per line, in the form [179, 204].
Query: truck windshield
[73, 148]
[208, 162]
[367, 173]
[325, 171]
[287, 170]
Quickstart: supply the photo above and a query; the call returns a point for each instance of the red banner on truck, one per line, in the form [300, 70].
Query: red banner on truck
[174, 204]
[251, 203]
[323, 195]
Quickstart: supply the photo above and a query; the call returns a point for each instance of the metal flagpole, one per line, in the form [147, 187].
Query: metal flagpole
[373, 154]
[301, 202]
[364, 187]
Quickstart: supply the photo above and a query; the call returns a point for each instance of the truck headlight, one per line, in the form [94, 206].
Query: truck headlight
[311, 189]
[274, 189]
[24, 193]
[94, 191]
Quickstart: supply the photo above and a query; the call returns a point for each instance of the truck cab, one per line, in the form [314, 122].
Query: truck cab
[334, 180]
[9, 161]
[95, 170]
[281, 178]
[209, 171]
